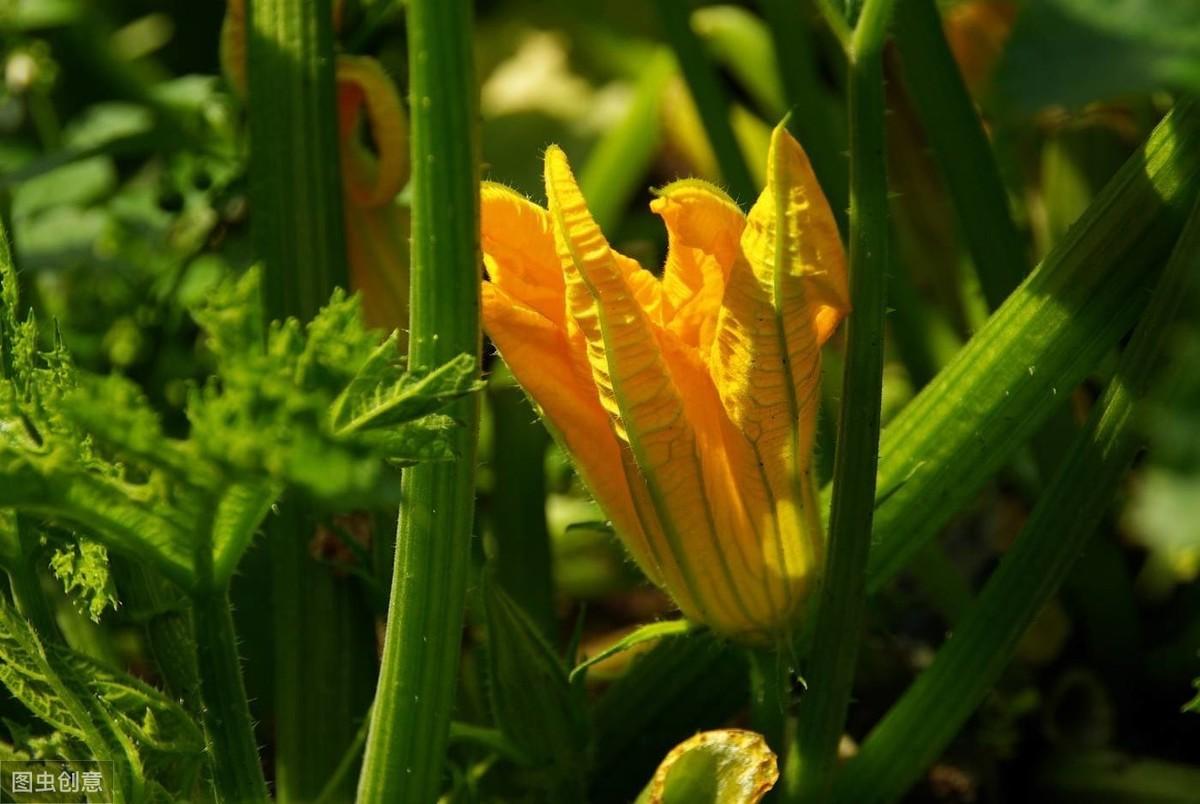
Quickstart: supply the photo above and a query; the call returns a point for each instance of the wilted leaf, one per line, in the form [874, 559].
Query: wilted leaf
[727, 766]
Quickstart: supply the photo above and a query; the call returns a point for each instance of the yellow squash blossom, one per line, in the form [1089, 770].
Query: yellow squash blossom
[689, 402]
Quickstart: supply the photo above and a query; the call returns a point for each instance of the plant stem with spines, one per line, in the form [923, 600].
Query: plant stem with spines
[410, 719]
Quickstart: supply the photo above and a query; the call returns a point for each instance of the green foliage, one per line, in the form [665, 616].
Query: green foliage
[536, 707]
[1073, 52]
[652, 632]
[95, 712]
[1161, 514]
[83, 570]
[321, 409]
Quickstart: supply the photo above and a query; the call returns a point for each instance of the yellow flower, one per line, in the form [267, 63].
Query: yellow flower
[689, 402]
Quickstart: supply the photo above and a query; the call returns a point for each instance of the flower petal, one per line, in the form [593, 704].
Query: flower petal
[662, 459]
[518, 249]
[703, 227]
[537, 353]
[781, 303]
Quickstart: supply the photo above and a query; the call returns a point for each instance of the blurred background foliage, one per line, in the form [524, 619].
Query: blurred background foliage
[123, 187]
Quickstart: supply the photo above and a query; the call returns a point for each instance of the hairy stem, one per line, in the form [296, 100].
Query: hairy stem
[410, 719]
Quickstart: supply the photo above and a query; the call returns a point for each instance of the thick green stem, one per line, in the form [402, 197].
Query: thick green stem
[711, 100]
[162, 608]
[932, 711]
[295, 181]
[237, 772]
[843, 596]
[410, 720]
[323, 639]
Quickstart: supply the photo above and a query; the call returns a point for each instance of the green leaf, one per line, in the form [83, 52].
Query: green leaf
[1073, 52]
[1048, 335]
[426, 439]
[651, 632]
[99, 712]
[535, 705]
[83, 570]
[729, 766]
[232, 316]
[28, 15]
[1194, 704]
[380, 396]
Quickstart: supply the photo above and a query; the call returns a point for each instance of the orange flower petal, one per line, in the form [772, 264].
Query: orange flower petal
[703, 228]
[518, 248]
[663, 465]
[536, 351]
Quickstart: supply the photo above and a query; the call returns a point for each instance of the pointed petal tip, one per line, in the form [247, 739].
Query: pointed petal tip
[555, 164]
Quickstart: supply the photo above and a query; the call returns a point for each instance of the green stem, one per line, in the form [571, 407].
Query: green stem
[162, 609]
[321, 625]
[411, 716]
[835, 18]
[769, 695]
[932, 711]
[295, 182]
[711, 101]
[332, 791]
[324, 640]
[237, 772]
[843, 596]
[26, 582]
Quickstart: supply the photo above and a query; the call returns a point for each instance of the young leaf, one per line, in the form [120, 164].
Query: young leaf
[379, 396]
[83, 570]
[645, 633]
